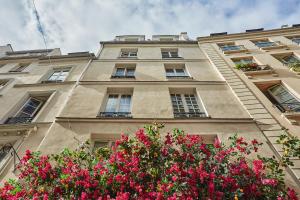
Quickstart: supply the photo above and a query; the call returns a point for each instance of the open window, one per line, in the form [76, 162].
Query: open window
[28, 110]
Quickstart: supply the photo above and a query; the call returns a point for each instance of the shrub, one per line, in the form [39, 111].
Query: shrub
[149, 166]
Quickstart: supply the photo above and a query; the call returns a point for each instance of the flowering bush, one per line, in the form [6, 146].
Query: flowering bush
[149, 166]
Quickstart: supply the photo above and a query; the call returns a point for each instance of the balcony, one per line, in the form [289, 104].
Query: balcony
[19, 120]
[270, 45]
[294, 66]
[114, 115]
[254, 68]
[189, 115]
[123, 76]
[233, 49]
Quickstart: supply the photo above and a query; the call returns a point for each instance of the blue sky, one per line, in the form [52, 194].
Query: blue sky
[79, 25]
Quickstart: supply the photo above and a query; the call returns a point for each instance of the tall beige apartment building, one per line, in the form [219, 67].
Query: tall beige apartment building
[59, 101]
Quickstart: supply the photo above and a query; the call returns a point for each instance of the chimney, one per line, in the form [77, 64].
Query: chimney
[183, 36]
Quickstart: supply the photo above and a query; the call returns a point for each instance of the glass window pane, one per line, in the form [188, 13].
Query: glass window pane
[130, 72]
[111, 105]
[192, 104]
[174, 54]
[177, 103]
[170, 72]
[120, 72]
[165, 54]
[125, 103]
[180, 72]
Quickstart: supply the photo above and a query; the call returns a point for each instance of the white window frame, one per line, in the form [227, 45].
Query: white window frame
[169, 52]
[175, 72]
[185, 105]
[132, 53]
[60, 70]
[125, 71]
[117, 107]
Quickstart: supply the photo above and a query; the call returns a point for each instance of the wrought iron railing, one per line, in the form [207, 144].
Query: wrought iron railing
[189, 114]
[121, 76]
[18, 120]
[233, 48]
[179, 77]
[9, 148]
[288, 107]
[115, 114]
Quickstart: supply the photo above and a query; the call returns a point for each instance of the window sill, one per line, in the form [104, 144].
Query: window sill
[190, 115]
[43, 84]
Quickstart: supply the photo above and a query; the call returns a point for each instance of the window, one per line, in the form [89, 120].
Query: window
[20, 67]
[28, 111]
[243, 61]
[118, 105]
[231, 47]
[3, 83]
[186, 105]
[128, 53]
[176, 72]
[295, 39]
[169, 53]
[124, 72]
[264, 43]
[285, 100]
[58, 75]
[101, 144]
[288, 59]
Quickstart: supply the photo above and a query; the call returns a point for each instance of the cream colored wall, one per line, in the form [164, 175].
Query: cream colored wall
[152, 51]
[153, 100]
[150, 71]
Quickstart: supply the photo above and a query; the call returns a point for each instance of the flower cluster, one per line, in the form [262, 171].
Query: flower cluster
[150, 166]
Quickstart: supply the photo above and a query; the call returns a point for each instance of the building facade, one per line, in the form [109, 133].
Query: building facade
[133, 81]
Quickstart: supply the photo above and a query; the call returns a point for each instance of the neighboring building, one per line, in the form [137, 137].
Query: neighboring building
[34, 86]
[263, 69]
[63, 101]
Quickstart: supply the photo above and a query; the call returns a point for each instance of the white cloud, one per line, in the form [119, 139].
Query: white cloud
[79, 25]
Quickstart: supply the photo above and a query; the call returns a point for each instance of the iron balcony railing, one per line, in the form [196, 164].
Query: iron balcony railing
[122, 76]
[9, 148]
[255, 67]
[189, 114]
[115, 114]
[288, 107]
[19, 120]
[179, 77]
[233, 48]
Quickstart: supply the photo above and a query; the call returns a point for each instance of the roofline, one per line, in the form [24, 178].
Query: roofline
[81, 55]
[261, 33]
[30, 51]
[150, 42]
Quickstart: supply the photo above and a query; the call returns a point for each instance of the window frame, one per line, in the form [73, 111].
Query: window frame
[125, 74]
[185, 105]
[279, 101]
[60, 70]
[129, 52]
[117, 106]
[3, 83]
[169, 52]
[20, 68]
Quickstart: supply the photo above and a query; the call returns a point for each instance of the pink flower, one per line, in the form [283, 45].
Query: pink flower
[257, 166]
[271, 182]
